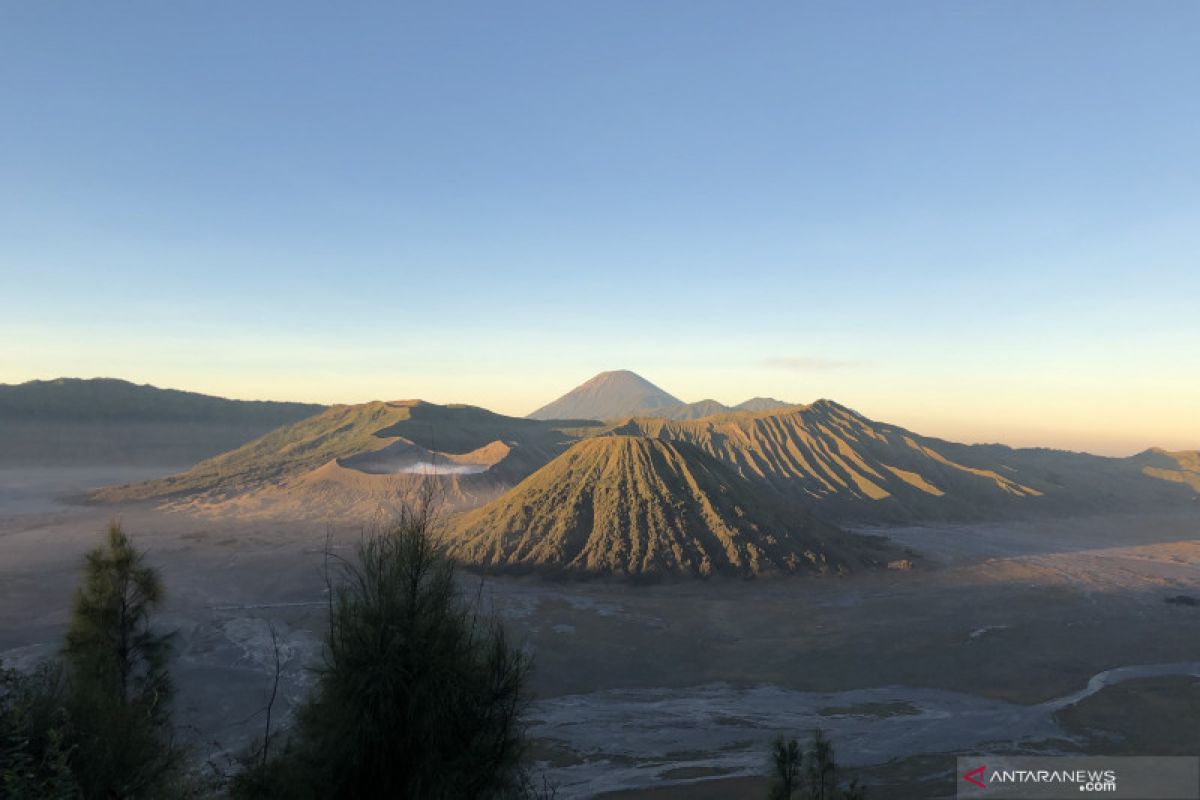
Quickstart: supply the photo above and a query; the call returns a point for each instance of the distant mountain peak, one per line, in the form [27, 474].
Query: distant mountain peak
[622, 393]
[609, 395]
[613, 373]
[624, 378]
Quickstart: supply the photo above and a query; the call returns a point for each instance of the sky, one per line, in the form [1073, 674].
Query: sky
[979, 220]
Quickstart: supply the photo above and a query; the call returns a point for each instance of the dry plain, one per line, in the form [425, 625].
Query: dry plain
[1045, 636]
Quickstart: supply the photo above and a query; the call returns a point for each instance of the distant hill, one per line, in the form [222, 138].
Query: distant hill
[701, 408]
[358, 449]
[109, 400]
[621, 393]
[761, 404]
[638, 506]
[609, 395]
[711, 408]
[104, 420]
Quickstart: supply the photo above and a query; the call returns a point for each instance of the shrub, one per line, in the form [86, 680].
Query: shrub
[33, 732]
[420, 695]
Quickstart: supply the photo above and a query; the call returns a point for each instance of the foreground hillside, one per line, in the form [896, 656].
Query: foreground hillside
[75, 422]
[634, 505]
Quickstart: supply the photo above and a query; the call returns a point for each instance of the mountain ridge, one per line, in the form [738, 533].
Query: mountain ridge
[622, 393]
[111, 399]
[856, 469]
[841, 464]
[83, 421]
[687, 489]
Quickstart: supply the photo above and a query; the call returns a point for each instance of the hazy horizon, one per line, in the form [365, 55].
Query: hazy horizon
[954, 427]
[978, 221]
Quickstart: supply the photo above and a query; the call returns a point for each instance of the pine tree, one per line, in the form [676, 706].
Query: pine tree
[421, 694]
[785, 766]
[819, 778]
[822, 768]
[119, 686]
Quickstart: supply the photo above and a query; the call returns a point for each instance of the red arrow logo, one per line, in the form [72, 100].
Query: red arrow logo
[975, 776]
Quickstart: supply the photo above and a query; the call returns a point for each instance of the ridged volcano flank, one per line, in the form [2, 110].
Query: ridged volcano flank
[609, 395]
[855, 469]
[632, 505]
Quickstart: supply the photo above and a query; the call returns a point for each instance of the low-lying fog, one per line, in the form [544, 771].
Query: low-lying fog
[442, 468]
[32, 490]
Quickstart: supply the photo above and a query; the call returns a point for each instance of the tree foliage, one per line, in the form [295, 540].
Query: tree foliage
[822, 767]
[34, 751]
[812, 775]
[786, 759]
[421, 694]
[119, 688]
[97, 723]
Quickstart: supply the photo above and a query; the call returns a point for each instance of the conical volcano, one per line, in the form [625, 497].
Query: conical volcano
[634, 505]
[609, 395]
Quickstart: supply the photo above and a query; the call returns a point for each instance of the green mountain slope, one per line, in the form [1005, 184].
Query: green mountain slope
[364, 438]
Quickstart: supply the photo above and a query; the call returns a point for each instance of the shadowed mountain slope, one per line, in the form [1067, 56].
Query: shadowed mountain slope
[1181, 467]
[633, 505]
[109, 399]
[103, 420]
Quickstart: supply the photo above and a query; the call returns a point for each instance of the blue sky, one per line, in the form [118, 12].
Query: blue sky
[980, 220]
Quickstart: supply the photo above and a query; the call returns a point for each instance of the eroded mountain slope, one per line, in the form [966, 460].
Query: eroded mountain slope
[636, 505]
